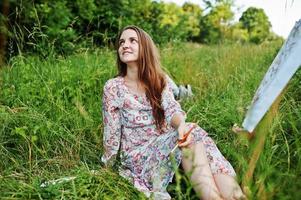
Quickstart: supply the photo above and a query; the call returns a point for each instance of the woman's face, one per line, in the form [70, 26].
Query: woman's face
[128, 46]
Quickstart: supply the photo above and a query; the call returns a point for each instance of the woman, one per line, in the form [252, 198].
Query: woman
[143, 121]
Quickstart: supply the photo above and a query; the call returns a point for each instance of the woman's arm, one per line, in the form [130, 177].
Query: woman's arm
[111, 122]
[177, 120]
[174, 114]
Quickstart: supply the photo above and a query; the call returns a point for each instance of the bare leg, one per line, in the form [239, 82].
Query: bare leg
[228, 187]
[196, 165]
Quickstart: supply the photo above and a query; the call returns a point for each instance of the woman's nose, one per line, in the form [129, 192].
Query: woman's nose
[126, 44]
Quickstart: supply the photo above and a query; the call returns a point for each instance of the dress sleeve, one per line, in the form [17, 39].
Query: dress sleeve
[111, 122]
[169, 104]
[174, 88]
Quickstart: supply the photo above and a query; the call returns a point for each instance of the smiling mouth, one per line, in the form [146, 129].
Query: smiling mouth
[126, 53]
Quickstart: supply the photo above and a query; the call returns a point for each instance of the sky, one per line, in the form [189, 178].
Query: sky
[281, 13]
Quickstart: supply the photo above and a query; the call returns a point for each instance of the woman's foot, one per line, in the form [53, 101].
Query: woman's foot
[228, 187]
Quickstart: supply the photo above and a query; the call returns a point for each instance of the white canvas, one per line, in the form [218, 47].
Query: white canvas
[285, 64]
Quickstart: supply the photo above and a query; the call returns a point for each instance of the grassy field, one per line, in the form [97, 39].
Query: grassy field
[51, 126]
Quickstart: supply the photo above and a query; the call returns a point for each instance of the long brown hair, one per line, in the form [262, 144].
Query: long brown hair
[150, 73]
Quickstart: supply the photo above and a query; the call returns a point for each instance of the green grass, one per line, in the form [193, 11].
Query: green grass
[51, 126]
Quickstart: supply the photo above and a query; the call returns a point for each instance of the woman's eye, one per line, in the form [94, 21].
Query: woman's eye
[121, 42]
[133, 40]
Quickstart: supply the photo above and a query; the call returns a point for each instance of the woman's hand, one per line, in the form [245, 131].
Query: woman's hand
[182, 130]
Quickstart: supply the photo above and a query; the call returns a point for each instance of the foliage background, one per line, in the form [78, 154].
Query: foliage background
[57, 55]
[63, 26]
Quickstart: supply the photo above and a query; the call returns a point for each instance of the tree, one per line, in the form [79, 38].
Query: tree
[215, 25]
[256, 22]
[4, 6]
[172, 21]
[192, 15]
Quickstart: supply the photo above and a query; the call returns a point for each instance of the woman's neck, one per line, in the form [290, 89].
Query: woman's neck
[132, 80]
[132, 73]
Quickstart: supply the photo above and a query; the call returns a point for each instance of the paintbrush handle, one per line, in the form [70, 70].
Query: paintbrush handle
[182, 140]
[177, 145]
[185, 136]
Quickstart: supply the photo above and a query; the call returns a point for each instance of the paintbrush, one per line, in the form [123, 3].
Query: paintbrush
[180, 141]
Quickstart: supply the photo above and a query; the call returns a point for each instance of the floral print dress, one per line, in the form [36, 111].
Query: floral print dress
[146, 161]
